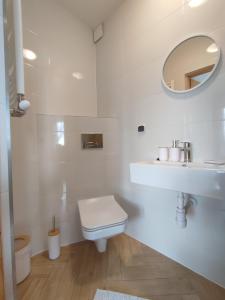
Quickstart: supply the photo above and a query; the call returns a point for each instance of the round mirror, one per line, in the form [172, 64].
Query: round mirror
[190, 64]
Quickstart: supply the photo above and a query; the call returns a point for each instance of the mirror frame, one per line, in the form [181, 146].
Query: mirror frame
[204, 81]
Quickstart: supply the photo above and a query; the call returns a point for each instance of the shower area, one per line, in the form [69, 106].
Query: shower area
[46, 168]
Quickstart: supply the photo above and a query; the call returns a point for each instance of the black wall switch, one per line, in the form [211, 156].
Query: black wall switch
[141, 128]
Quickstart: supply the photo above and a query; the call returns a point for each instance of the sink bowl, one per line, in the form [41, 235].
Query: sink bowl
[193, 178]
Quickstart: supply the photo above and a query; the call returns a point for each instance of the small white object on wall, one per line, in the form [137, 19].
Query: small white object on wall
[98, 33]
[24, 104]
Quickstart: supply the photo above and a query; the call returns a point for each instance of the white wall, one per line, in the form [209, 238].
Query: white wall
[63, 45]
[50, 179]
[68, 173]
[137, 39]
[40, 165]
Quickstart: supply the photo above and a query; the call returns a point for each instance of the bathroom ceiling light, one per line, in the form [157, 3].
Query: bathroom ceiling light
[212, 48]
[29, 54]
[78, 75]
[195, 3]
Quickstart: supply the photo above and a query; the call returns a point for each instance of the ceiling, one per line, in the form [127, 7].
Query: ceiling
[92, 12]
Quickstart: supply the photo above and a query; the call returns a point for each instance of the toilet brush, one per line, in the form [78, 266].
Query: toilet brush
[53, 223]
[53, 241]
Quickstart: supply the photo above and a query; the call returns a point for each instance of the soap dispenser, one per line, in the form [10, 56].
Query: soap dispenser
[175, 151]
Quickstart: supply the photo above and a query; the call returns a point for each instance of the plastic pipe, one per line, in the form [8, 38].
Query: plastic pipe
[180, 212]
[18, 31]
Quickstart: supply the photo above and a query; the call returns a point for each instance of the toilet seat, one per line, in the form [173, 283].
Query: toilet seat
[101, 219]
[104, 227]
[101, 213]
[21, 242]
[22, 257]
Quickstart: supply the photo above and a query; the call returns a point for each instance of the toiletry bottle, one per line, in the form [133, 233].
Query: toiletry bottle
[175, 151]
[163, 153]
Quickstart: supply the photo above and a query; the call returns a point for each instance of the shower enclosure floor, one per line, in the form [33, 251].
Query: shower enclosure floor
[127, 267]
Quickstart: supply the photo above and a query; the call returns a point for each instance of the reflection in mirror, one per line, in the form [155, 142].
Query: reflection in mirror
[191, 64]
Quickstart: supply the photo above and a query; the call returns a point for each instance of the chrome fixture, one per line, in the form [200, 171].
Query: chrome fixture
[92, 140]
[21, 103]
[22, 106]
[186, 148]
[184, 202]
[181, 218]
[175, 143]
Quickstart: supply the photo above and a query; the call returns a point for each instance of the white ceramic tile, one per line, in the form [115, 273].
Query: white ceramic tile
[40, 164]
[129, 50]
[68, 173]
[129, 62]
[208, 140]
[50, 75]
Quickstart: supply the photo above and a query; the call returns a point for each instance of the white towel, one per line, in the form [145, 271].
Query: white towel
[108, 295]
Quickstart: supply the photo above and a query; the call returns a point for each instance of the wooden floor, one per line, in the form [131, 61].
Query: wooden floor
[127, 267]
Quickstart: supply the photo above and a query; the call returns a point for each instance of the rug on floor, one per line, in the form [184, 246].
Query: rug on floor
[108, 295]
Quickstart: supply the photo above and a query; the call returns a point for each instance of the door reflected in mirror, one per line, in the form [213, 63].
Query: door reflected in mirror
[190, 64]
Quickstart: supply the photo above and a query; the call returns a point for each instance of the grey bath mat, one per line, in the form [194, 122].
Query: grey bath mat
[108, 295]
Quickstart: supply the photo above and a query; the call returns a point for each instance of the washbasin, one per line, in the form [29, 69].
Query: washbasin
[201, 179]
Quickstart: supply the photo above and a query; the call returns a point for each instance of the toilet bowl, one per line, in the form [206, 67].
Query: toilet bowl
[101, 219]
[22, 257]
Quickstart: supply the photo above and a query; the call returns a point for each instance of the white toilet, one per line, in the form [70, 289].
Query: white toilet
[22, 257]
[101, 218]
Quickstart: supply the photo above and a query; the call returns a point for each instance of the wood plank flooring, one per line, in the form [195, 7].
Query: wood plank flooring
[128, 267]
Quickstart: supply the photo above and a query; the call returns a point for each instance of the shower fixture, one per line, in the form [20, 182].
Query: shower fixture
[22, 104]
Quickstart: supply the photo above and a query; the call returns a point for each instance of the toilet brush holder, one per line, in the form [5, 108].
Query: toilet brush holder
[54, 242]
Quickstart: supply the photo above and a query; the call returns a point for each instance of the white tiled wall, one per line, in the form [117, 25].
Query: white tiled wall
[68, 173]
[50, 179]
[63, 45]
[138, 37]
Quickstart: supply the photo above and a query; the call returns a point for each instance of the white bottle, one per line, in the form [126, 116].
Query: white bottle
[175, 152]
[163, 153]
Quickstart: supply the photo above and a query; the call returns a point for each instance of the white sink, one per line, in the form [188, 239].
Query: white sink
[192, 178]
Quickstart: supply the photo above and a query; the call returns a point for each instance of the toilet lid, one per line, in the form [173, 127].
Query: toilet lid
[100, 212]
[21, 242]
